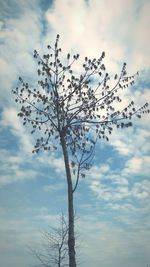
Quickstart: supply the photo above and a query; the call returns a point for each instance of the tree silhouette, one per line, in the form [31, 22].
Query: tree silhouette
[53, 251]
[74, 111]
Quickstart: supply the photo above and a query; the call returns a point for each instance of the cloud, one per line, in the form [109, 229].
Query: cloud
[120, 191]
[137, 166]
[53, 187]
[43, 216]
[13, 168]
[98, 172]
[127, 182]
[10, 120]
[55, 162]
[91, 27]
[131, 141]
[105, 240]
[21, 164]
[16, 235]
[19, 233]
[20, 34]
[140, 36]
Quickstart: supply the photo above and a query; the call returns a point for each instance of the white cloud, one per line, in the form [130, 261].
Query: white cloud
[13, 122]
[43, 215]
[98, 172]
[131, 141]
[53, 187]
[110, 192]
[141, 190]
[140, 36]
[12, 168]
[91, 27]
[137, 166]
[20, 35]
[53, 161]
[113, 185]
[127, 207]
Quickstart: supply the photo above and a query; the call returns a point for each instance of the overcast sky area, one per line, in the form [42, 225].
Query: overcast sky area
[113, 201]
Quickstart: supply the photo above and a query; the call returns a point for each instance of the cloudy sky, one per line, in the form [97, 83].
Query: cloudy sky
[113, 202]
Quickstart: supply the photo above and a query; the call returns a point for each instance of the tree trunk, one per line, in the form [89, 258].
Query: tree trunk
[71, 236]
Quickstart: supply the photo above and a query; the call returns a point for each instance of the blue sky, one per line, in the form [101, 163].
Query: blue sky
[113, 201]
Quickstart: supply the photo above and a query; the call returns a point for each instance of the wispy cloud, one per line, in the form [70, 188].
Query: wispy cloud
[11, 120]
[13, 168]
[140, 190]
[137, 166]
[91, 27]
[113, 185]
[53, 187]
[104, 235]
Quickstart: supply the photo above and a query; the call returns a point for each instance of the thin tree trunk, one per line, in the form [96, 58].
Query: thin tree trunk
[71, 236]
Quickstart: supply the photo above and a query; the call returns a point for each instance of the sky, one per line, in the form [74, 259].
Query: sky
[113, 202]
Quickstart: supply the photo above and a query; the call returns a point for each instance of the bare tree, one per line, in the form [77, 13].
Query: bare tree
[73, 111]
[53, 251]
